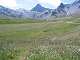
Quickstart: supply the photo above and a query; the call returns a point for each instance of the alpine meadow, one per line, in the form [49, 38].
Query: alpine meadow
[40, 33]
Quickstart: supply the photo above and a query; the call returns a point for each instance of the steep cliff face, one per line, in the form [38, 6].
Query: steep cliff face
[75, 8]
[67, 9]
[60, 11]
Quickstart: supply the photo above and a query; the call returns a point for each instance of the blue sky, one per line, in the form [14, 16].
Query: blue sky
[28, 4]
[68, 1]
[31, 3]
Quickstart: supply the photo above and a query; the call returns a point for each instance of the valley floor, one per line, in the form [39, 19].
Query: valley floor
[46, 40]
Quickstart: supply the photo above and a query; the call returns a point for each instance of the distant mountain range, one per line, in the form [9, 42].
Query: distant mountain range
[40, 12]
[19, 13]
[9, 12]
[64, 10]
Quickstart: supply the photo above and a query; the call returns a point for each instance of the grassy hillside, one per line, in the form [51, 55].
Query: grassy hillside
[40, 40]
[19, 21]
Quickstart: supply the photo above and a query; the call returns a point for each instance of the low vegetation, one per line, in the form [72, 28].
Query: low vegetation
[40, 40]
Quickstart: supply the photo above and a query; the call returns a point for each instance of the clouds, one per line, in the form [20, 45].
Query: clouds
[8, 3]
[68, 1]
[50, 3]
[28, 4]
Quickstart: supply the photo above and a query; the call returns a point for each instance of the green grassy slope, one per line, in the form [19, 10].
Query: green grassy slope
[41, 40]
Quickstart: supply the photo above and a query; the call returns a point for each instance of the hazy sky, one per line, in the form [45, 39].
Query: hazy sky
[28, 4]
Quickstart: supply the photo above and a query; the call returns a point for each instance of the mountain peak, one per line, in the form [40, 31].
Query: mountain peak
[38, 5]
[77, 1]
[39, 8]
[1, 6]
[62, 5]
